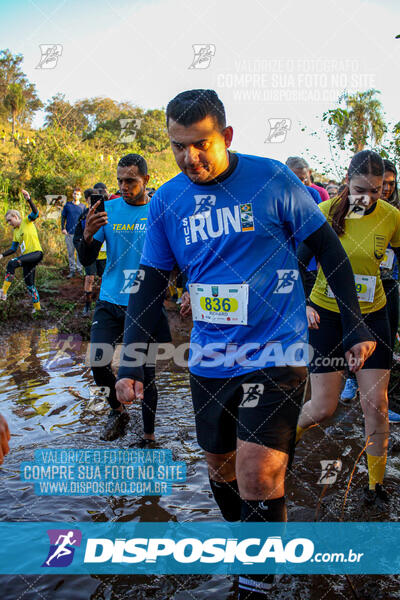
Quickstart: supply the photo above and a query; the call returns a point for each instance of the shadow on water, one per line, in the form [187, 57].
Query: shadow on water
[45, 399]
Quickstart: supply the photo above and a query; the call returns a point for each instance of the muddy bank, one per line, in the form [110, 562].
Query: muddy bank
[62, 303]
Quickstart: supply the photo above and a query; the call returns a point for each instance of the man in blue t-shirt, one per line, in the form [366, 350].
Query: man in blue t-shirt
[69, 218]
[122, 226]
[232, 222]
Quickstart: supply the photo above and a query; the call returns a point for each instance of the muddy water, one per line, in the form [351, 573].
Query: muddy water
[46, 405]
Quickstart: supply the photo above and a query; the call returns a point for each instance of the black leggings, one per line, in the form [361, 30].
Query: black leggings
[28, 262]
[392, 303]
[108, 329]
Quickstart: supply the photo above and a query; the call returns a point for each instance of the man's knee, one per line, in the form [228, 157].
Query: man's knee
[221, 467]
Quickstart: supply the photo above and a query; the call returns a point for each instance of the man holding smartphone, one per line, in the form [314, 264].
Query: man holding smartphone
[122, 225]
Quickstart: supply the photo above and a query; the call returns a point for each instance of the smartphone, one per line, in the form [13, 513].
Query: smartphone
[95, 198]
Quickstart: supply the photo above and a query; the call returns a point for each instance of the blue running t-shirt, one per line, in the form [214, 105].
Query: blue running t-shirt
[124, 235]
[235, 240]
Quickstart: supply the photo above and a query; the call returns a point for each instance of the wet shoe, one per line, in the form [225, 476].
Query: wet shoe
[86, 311]
[3, 296]
[393, 417]
[349, 391]
[115, 426]
[378, 496]
[145, 443]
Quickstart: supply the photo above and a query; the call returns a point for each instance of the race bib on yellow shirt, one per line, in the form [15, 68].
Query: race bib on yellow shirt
[22, 247]
[220, 304]
[387, 262]
[365, 288]
[103, 247]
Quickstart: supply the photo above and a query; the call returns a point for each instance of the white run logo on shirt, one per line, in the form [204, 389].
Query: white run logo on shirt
[252, 393]
[286, 280]
[133, 277]
[201, 227]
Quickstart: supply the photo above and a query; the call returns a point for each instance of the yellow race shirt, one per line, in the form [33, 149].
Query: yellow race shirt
[365, 241]
[27, 237]
[103, 252]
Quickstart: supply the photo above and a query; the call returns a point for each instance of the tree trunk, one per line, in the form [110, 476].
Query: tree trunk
[14, 114]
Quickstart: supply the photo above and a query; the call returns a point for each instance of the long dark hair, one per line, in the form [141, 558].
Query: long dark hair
[365, 162]
[394, 198]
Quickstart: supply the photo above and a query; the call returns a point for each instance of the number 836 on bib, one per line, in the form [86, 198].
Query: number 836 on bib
[220, 303]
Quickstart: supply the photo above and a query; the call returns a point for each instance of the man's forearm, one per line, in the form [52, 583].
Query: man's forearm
[336, 266]
[143, 313]
[88, 253]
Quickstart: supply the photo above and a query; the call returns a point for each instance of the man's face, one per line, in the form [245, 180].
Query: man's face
[303, 175]
[13, 221]
[76, 195]
[370, 185]
[389, 184]
[200, 149]
[131, 184]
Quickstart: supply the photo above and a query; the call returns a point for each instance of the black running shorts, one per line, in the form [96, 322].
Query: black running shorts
[327, 341]
[261, 407]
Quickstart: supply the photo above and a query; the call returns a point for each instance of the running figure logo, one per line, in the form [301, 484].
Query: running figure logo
[329, 471]
[133, 277]
[204, 203]
[203, 54]
[61, 551]
[358, 204]
[129, 129]
[278, 129]
[50, 55]
[287, 279]
[63, 350]
[252, 393]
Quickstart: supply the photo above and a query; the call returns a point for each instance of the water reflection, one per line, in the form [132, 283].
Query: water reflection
[47, 406]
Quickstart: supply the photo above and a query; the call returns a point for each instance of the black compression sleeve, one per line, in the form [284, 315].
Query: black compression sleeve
[32, 205]
[144, 311]
[325, 245]
[88, 253]
[12, 250]
[397, 253]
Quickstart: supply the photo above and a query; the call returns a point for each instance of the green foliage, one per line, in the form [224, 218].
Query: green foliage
[10, 74]
[14, 101]
[359, 123]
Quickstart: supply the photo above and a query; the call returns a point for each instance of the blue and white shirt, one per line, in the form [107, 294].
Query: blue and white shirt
[124, 235]
[242, 230]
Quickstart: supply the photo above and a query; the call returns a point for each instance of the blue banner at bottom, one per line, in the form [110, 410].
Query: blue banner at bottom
[201, 547]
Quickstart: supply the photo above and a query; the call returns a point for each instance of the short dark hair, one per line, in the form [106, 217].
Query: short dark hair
[194, 105]
[99, 186]
[87, 193]
[134, 159]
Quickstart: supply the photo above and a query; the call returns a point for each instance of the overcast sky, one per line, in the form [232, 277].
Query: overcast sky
[285, 59]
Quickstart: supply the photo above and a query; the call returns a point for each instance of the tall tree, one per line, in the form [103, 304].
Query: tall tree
[61, 113]
[11, 73]
[14, 101]
[359, 122]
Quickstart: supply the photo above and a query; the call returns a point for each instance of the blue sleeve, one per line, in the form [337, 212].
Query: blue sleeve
[99, 235]
[14, 248]
[296, 207]
[314, 194]
[33, 215]
[157, 251]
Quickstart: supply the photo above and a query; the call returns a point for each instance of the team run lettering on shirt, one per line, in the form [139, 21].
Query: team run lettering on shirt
[129, 227]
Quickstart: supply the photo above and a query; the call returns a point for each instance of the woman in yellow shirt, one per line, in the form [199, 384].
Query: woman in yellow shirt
[365, 226]
[26, 239]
